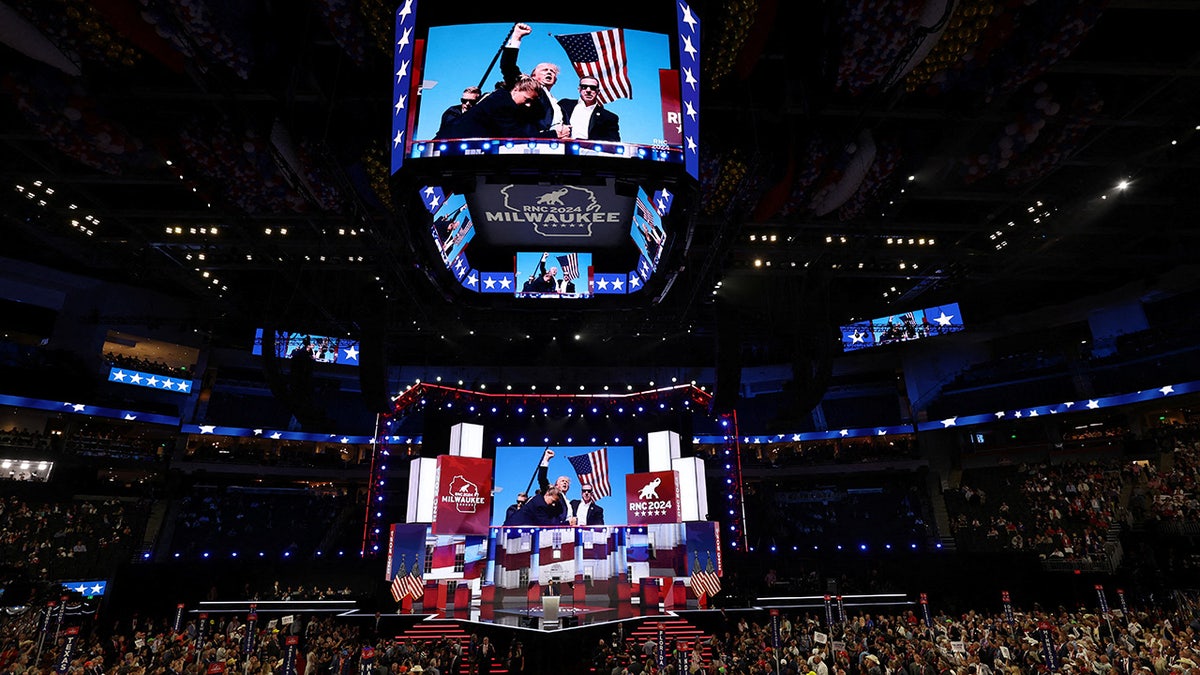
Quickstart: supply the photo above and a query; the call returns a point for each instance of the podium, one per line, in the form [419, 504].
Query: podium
[550, 612]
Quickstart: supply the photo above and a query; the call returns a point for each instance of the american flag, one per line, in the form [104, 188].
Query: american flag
[570, 266]
[592, 469]
[600, 55]
[407, 585]
[706, 583]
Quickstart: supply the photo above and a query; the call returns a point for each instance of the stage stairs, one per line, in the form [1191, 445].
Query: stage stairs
[676, 629]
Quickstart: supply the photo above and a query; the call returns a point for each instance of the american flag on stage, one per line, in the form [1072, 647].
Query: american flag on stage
[600, 55]
[407, 585]
[570, 266]
[706, 583]
[592, 469]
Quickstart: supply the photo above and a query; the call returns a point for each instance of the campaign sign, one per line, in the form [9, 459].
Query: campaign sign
[464, 495]
[551, 215]
[652, 498]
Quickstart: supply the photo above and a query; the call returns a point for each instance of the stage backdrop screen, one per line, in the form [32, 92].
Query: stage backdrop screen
[322, 348]
[629, 62]
[554, 274]
[516, 465]
[903, 327]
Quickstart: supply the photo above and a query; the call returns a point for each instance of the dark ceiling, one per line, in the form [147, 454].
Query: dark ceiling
[859, 159]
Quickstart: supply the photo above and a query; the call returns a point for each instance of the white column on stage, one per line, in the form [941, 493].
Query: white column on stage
[466, 440]
[664, 448]
[422, 490]
[664, 456]
[693, 497]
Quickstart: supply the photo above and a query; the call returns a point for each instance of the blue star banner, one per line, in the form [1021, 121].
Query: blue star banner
[402, 79]
[689, 86]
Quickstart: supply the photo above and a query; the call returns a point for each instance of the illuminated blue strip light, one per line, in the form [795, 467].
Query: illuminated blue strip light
[689, 86]
[546, 147]
[89, 589]
[970, 420]
[82, 409]
[275, 435]
[402, 79]
[1165, 391]
[150, 380]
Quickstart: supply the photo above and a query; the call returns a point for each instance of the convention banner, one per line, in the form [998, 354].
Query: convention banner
[1124, 607]
[1047, 640]
[841, 610]
[59, 616]
[662, 647]
[652, 498]
[925, 611]
[177, 624]
[464, 495]
[201, 630]
[1102, 598]
[1008, 610]
[68, 650]
[289, 655]
[775, 641]
[251, 628]
[50, 612]
[828, 611]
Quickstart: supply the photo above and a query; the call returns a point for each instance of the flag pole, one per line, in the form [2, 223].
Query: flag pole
[491, 65]
[535, 472]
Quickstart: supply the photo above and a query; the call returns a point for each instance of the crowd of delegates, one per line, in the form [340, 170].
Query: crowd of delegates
[1171, 494]
[278, 521]
[278, 453]
[1061, 511]
[1150, 641]
[857, 451]
[128, 443]
[24, 438]
[68, 539]
[147, 366]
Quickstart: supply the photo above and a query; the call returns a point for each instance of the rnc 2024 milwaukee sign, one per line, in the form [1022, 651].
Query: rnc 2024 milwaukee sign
[464, 495]
[551, 215]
